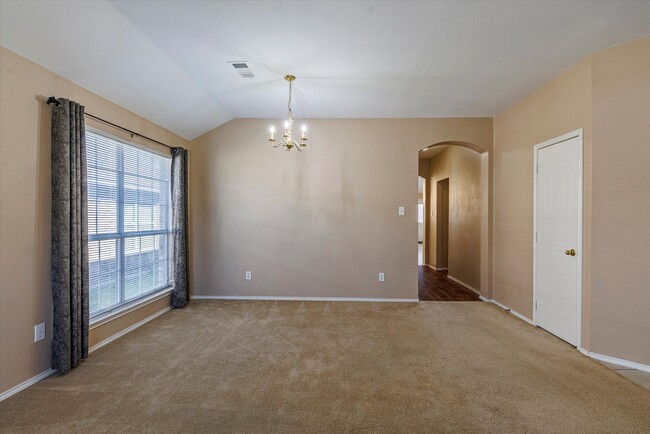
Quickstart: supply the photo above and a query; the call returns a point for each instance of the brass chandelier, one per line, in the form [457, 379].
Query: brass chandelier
[288, 141]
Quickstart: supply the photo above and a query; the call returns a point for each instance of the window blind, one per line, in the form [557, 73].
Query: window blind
[128, 222]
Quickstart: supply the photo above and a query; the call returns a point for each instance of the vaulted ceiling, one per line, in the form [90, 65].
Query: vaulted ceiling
[168, 60]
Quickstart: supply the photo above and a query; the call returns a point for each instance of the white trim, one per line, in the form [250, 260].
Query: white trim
[128, 329]
[563, 138]
[507, 309]
[617, 361]
[254, 297]
[128, 308]
[437, 269]
[460, 282]
[25, 384]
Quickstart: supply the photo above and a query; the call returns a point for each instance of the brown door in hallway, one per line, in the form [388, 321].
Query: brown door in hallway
[442, 225]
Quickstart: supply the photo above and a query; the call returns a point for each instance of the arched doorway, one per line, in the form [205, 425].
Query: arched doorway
[456, 246]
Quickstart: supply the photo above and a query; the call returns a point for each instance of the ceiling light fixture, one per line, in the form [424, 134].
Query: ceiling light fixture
[287, 138]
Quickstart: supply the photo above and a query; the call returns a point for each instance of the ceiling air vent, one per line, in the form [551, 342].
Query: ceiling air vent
[242, 68]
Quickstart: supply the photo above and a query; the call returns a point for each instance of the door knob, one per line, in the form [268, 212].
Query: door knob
[571, 252]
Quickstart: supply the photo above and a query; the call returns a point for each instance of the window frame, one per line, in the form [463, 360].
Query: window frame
[125, 306]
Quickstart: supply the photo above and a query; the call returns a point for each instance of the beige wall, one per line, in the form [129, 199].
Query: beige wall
[463, 168]
[25, 297]
[560, 106]
[107, 330]
[319, 223]
[608, 95]
[620, 282]
[423, 168]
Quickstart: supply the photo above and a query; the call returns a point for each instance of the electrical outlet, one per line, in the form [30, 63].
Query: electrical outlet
[381, 277]
[248, 275]
[401, 210]
[39, 332]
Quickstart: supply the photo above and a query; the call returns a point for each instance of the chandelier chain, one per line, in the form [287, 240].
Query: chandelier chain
[289, 103]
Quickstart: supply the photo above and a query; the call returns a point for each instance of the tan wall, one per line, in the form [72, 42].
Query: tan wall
[463, 168]
[607, 94]
[319, 223]
[25, 297]
[560, 106]
[423, 168]
[620, 294]
[104, 331]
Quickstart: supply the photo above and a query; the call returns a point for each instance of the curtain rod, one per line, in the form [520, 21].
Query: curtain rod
[53, 100]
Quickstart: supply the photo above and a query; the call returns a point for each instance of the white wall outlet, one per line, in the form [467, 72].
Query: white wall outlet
[39, 332]
[381, 277]
[401, 210]
[248, 275]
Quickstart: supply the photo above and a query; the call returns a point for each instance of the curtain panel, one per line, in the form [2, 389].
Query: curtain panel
[69, 237]
[180, 294]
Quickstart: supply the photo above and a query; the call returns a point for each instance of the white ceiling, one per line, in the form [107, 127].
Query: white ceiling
[167, 60]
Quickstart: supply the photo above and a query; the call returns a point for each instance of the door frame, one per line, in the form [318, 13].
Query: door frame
[563, 138]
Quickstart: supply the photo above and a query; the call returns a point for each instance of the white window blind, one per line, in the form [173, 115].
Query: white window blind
[128, 222]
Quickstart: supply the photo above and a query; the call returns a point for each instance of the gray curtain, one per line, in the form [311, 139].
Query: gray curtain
[69, 237]
[180, 295]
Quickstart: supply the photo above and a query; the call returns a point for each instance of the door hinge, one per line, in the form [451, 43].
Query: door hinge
[535, 304]
[537, 168]
[536, 237]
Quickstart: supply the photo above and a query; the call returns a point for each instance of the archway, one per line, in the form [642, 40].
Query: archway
[469, 225]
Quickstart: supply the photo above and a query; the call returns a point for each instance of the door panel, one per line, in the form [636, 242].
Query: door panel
[558, 208]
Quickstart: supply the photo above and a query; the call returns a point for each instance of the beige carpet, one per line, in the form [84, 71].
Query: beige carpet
[259, 367]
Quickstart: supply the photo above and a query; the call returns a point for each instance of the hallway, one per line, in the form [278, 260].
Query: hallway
[434, 286]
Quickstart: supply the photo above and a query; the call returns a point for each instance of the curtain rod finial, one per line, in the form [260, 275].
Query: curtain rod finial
[52, 100]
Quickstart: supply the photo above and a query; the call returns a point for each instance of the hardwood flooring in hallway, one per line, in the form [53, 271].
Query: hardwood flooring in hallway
[434, 286]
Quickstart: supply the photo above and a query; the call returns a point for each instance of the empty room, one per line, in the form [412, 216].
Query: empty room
[324, 216]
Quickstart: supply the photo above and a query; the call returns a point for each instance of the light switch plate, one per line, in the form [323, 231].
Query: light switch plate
[401, 210]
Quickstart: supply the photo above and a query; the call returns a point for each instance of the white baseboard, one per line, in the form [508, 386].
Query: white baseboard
[128, 329]
[45, 374]
[507, 309]
[460, 282]
[25, 384]
[616, 361]
[436, 269]
[596, 356]
[253, 297]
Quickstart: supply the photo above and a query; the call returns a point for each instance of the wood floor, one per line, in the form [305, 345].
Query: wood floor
[434, 286]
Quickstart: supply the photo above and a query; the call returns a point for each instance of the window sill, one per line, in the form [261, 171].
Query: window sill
[129, 307]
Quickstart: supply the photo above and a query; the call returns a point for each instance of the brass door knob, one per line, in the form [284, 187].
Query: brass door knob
[571, 252]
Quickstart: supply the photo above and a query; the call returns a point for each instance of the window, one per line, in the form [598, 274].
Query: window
[128, 222]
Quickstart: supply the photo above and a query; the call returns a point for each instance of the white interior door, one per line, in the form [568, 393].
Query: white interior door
[558, 237]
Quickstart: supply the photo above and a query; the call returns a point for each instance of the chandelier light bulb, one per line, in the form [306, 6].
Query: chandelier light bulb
[286, 124]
